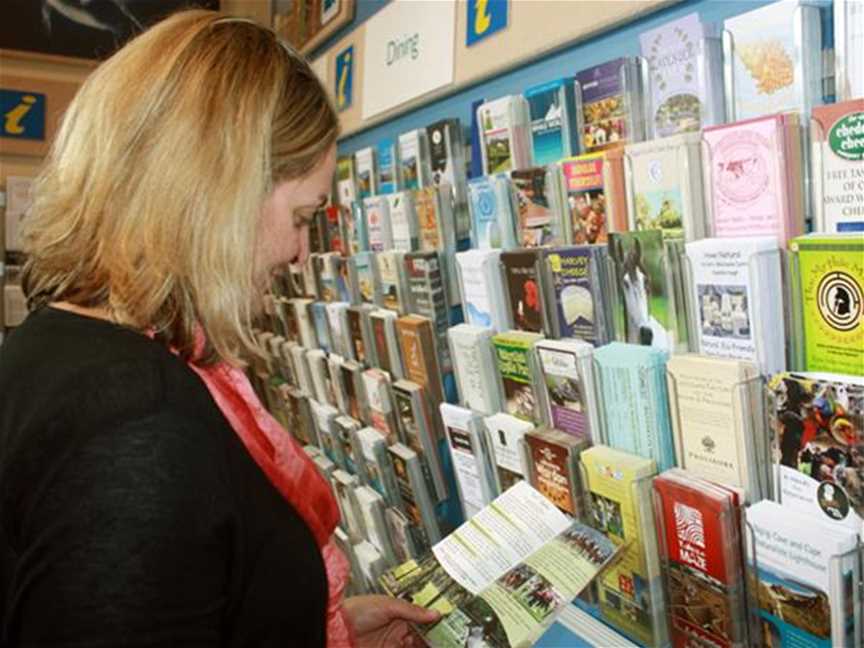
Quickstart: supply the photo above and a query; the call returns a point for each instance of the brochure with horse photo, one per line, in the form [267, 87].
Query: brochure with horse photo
[500, 579]
[642, 278]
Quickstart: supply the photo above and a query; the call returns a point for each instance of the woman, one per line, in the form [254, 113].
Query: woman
[145, 495]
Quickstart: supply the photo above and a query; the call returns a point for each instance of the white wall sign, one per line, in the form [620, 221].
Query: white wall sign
[408, 52]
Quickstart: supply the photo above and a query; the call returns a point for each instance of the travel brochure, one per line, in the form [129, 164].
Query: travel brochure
[499, 580]
[685, 63]
[837, 149]
[803, 577]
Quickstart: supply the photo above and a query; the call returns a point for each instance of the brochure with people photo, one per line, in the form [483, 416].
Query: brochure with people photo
[500, 579]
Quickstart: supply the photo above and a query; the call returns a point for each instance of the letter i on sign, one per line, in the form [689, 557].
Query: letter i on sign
[344, 78]
[16, 115]
[22, 114]
[481, 17]
[485, 17]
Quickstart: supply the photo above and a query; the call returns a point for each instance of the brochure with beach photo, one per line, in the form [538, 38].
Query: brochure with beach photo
[500, 578]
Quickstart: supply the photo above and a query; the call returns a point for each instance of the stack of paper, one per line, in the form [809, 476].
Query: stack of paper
[631, 384]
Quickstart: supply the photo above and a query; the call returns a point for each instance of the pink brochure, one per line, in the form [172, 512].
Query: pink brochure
[746, 180]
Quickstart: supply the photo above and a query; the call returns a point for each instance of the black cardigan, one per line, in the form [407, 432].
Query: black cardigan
[130, 512]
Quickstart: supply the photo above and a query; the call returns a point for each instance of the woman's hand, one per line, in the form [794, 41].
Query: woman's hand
[384, 622]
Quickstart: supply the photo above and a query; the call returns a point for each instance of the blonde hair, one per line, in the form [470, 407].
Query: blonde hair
[149, 199]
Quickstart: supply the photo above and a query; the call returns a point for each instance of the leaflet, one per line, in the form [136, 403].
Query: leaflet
[501, 577]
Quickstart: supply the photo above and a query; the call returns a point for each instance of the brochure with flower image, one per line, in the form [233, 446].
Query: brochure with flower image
[773, 58]
[523, 282]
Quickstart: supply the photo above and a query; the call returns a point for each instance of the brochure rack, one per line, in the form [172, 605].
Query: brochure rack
[758, 311]
[792, 198]
[794, 311]
[848, 31]
[599, 435]
[678, 291]
[545, 319]
[661, 119]
[577, 485]
[817, 177]
[836, 204]
[585, 367]
[690, 181]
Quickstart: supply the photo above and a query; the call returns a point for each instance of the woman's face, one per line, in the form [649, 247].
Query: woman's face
[283, 231]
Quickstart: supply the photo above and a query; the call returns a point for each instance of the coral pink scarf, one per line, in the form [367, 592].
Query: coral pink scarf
[293, 474]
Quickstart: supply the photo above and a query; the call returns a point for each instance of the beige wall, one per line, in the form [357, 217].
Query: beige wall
[256, 9]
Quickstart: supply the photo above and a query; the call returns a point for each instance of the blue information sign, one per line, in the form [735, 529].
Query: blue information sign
[344, 78]
[485, 17]
[23, 114]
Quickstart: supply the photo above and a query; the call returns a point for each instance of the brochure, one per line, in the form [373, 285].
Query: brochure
[499, 579]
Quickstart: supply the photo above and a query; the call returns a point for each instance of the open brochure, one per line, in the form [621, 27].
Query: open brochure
[500, 578]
